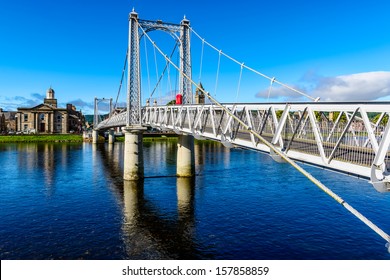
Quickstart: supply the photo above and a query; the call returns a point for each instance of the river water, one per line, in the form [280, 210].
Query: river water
[68, 201]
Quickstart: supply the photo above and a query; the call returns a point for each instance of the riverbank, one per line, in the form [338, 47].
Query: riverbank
[61, 138]
[70, 138]
[75, 138]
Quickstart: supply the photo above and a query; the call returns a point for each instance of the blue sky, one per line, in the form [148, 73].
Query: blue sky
[338, 50]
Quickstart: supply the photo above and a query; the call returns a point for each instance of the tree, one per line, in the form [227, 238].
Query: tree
[384, 120]
[172, 102]
[336, 115]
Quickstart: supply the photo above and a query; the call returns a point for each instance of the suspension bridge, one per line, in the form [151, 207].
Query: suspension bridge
[340, 136]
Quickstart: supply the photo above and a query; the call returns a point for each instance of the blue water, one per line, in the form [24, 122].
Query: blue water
[68, 201]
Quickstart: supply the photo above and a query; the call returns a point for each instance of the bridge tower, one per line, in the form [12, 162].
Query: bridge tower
[133, 151]
[133, 157]
[185, 164]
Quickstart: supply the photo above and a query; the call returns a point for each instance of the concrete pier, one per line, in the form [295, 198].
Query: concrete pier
[95, 136]
[111, 136]
[185, 156]
[133, 167]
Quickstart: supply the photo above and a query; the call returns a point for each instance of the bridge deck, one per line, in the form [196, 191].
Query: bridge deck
[303, 131]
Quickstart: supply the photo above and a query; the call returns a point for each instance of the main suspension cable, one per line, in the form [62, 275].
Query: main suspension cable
[255, 71]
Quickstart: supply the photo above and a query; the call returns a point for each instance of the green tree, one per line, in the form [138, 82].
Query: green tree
[279, 114]
[336, 115]
[172, 102]
[384, 121]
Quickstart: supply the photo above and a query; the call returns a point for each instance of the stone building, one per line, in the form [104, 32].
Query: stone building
[48, 118]
[7, 121]
[2, 122]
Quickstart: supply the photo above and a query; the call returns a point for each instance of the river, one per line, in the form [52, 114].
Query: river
[68, 201]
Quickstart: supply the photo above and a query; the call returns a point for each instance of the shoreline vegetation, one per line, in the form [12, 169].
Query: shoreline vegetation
[73, 138]
[78, 138]
[42, 138]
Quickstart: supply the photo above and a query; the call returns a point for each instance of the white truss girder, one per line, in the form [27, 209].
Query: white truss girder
[354, 146]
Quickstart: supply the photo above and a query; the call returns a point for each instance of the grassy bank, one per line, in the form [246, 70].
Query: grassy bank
[71, 138]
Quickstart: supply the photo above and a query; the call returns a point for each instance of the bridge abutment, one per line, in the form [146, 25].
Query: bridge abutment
[185, 156]
[133, 167]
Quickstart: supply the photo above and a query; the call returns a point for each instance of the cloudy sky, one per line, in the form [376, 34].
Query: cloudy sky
[335, 50]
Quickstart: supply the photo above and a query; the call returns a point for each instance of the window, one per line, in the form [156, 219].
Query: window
[42, 117]
[59, 118]
[25, 127]
[26, 117]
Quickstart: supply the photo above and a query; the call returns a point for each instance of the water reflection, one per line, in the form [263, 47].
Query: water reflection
[185, 188]
[185, 197]
[42, 160]
[219, 215]
[149, 232]
[48, 163]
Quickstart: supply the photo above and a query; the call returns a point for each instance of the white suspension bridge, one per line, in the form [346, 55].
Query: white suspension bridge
[340, 136]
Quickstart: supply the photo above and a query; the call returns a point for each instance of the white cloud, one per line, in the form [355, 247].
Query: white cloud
[354, 87]
[12, 103]
[360, 86]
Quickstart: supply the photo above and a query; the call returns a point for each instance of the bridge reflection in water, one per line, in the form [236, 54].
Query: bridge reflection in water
[148, 232]
[214, 214]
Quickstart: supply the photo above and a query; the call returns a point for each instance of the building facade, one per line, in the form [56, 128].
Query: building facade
[7, 121]
[48, 118]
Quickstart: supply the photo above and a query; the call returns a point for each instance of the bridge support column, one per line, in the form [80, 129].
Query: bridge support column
[95, 136]
[111, 137]
[185, 156]
[133, 167]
